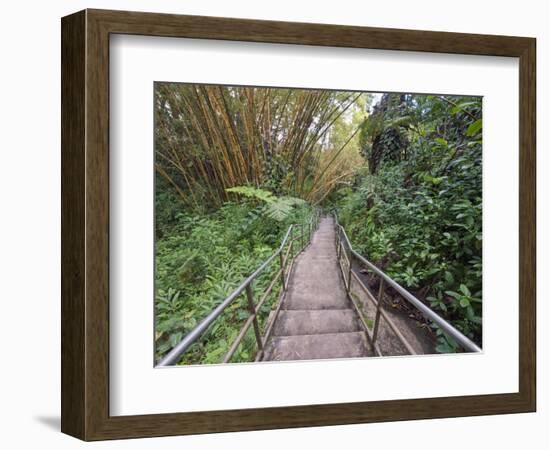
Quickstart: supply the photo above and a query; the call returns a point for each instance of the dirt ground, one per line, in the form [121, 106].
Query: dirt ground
[412, 327]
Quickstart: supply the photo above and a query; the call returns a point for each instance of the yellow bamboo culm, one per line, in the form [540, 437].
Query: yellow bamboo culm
[211, 138]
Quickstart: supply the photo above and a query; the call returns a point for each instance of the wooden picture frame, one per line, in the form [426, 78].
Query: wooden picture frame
[85, 224]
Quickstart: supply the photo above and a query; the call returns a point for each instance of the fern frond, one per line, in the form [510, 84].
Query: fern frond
[403, 121]
[294, 201]
[252, 192]
[278, 210]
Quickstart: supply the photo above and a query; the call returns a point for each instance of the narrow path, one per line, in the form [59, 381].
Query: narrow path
[317, 319]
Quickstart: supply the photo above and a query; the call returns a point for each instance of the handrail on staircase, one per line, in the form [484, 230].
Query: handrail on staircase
[343, 243]
[303, 238]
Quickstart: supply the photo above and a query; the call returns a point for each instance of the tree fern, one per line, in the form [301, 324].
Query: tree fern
[252, 192]
[276, 208]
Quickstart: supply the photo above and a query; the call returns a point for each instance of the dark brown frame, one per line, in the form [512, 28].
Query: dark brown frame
[85, 224]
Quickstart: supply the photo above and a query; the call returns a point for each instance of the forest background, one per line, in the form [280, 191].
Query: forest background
[236, 165]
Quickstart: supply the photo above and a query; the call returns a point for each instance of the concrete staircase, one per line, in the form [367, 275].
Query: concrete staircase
[317, 320]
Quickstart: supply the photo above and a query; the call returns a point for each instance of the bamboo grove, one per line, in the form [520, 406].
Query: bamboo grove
[211, 138]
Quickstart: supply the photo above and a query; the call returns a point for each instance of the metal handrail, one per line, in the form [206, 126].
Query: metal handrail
[175, 354]
[426, 311]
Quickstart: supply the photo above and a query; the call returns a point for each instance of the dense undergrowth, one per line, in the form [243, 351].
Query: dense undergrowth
[418, 215]
[201, 258]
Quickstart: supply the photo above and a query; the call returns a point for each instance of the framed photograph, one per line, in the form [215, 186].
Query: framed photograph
[273, 225]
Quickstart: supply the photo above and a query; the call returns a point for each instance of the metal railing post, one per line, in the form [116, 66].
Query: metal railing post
[338, 244]
[252, 309]
[378, 308]
[282, 260]
[348, 287]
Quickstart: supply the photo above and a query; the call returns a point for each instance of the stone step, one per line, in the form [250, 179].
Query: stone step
[323, 285]
[317, 346]
[321, 321]
[327, 249]
[316, 320]
[296, 301]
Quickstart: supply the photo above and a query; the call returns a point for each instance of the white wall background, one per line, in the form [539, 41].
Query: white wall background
[30, 220]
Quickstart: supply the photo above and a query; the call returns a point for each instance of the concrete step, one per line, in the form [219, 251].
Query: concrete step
[317, 346]
[324, 285]
[317, 320]
[313, 302]
[309, 277]
[299, 322]
[317, 265]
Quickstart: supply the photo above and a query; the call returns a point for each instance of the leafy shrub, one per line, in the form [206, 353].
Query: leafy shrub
[420, 216]
[200, 260]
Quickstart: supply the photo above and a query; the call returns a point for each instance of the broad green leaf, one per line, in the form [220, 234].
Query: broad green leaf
[474, 127]
[464, 289]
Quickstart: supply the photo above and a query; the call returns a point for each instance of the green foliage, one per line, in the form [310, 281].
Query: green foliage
[252, 192]
[419, 215]
[276, 208]
[383, 135]
[200, 259]
[474, 127]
